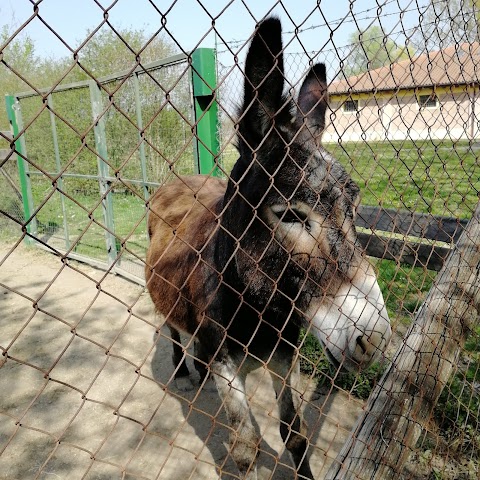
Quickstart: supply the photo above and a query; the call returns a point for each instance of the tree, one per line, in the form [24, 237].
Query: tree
[372, 49]
[107, 52]
[447, 22]
[18, 57]
[104, 52]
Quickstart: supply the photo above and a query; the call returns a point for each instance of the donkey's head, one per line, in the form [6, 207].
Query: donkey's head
[289, 211]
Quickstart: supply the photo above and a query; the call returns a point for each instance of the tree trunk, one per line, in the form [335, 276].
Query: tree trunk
[402, 402]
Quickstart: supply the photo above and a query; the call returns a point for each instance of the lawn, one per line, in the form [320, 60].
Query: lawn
[441, 178]
[82, 215]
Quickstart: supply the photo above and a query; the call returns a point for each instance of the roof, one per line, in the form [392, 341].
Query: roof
[455, 65]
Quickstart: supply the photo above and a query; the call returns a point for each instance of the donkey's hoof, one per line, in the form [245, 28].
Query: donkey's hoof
[184, 384]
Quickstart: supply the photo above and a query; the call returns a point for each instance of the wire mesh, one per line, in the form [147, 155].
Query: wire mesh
[89, 388]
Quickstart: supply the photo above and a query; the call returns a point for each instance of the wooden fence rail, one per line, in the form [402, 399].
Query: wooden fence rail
[402, 402]
[408, 237]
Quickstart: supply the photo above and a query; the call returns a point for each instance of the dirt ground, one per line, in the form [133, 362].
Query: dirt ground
[86, 390]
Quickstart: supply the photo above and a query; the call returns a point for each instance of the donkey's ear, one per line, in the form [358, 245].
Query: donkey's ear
[264, 81]
[313, 101]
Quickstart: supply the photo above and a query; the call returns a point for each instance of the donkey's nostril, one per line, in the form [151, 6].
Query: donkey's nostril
[368, 346]
[362, 342]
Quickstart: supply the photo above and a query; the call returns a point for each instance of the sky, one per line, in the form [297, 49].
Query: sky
[326, 26]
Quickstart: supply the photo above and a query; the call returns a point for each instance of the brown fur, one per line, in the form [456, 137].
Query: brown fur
[182, 225]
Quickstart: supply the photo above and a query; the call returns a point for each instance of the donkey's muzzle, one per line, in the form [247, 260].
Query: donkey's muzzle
[353, 325]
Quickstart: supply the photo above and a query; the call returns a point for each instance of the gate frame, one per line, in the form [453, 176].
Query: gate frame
[203, 85]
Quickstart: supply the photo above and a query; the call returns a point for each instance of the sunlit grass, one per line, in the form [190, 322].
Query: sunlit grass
[441, 178]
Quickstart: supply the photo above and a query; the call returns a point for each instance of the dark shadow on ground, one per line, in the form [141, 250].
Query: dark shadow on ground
[204, 413]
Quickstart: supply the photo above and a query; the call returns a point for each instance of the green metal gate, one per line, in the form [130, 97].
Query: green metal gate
[90, 153]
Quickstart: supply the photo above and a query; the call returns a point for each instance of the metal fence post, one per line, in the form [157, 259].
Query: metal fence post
[141, 148]
[104, 179]
[15, 120]
[58, 165]
[204, 81]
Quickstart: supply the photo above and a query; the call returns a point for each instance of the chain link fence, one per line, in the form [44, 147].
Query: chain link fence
[95, 212]
[89, 389]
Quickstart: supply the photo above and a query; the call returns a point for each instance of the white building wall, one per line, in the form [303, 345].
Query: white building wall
[399, 117]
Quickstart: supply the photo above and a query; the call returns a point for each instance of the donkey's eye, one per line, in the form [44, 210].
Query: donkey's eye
[291, 215]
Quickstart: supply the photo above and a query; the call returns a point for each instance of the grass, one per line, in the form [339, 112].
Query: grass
[403, 287]
[440, 178]
[87, 236]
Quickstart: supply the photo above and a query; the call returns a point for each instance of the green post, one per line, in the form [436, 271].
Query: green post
[103, 170]
[141, 150]
[58, 164]
[15, 121]
[204, 81]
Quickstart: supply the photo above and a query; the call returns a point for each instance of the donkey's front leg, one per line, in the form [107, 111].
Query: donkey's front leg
[293, 429]
[230, 382]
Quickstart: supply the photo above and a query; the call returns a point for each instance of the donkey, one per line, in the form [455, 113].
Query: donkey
[243, 265]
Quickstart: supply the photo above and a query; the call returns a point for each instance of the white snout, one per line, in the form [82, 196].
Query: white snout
[353, 326]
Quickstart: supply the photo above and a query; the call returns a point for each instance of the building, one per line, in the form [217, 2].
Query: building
[434, 95]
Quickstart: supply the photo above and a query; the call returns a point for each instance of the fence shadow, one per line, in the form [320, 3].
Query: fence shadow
[203, 411]
[204, 418]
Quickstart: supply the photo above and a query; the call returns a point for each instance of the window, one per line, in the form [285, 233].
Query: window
[350, 106]
[428, 101]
